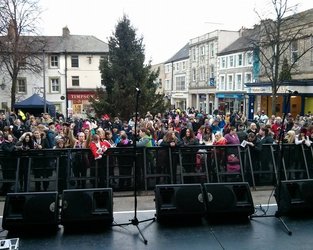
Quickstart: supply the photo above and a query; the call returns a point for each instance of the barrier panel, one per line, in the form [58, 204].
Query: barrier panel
[59, 169]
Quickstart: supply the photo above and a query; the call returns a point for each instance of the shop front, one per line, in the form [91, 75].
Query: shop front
[228, 103]
[79, 104]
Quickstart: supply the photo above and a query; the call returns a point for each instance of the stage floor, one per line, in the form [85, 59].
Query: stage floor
[257, 233]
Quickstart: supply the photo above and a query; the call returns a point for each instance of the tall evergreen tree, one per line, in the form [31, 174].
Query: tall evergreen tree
[122, 72]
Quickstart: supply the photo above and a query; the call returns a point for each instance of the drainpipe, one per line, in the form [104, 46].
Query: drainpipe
[172, 84]
[44, 81]
[66, 94]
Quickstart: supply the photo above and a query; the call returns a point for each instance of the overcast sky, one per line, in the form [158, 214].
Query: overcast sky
[166, 25]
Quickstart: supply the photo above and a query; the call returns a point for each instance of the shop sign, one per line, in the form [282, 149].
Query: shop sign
[260, 89]
[79, 96]
[235, 96]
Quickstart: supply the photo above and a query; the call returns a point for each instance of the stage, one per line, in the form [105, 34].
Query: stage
[257, 233]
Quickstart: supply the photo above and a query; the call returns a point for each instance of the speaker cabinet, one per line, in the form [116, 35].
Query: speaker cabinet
[34, 211]
[296, 197]
[228, 199]
[87, 207]
[179, 201]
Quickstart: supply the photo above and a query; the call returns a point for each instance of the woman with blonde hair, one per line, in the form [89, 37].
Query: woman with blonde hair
[290, 137]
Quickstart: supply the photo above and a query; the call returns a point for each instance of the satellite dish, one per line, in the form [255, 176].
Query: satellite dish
[62, 97]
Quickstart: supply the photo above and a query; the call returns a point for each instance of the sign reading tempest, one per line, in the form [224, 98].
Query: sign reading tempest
[79, 96]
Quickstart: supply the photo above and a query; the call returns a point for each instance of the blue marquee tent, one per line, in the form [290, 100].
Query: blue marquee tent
[35, 105]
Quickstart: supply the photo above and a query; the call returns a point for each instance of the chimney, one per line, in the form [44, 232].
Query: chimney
[12, 30]
[66, 32]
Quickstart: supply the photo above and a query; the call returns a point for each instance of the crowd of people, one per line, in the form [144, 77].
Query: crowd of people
[176, 128]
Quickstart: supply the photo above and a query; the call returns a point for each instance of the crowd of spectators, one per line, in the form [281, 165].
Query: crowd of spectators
[175, 128]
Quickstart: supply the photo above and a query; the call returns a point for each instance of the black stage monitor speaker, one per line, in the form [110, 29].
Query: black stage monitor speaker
[296, 197]
[87, 207]
[32, 211]
[228, 200]
[179, 201]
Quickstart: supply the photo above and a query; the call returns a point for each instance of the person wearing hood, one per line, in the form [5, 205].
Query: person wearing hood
[8, 164]
[25, 143]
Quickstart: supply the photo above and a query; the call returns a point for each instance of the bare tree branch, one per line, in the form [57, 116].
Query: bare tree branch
[276, 40]
[20, 45]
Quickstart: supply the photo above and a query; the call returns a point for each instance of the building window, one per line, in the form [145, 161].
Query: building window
[4, 105]
[54, 61]
[75, 80]
[231, 61]
[202, 73]
[211, 49]
[193, 74]
[222, 82]
[294, 51]
[248, 77]
[230, 82]
[238, 81]
[75, 61]
[239, 60]
[249, 58]
[177, 66]
[21, 85]
[223, 62]
[58, 107]
[184, 65]
[54, 85]
[202, 50]
[180, 83]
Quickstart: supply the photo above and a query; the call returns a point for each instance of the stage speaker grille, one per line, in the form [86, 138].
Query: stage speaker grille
[179, 201]
[33, 210]
[87, 207]
[296, 197]
[228, 199]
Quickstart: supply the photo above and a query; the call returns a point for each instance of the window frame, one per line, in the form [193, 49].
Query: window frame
[52, 61]
[246, 74]
[222, 83]
[238, 85]
[75, 79]
[239, 60]
[74, 61]
[52, 84]
[249, 58]
[180, 83]
[18, 86]
[294, 51]
[230, 84]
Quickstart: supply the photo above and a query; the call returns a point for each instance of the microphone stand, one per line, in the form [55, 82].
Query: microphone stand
[135, 222]
[280, 156]
[278, 213]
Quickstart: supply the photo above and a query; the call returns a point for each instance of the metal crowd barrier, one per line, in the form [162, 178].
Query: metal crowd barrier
[58, 169]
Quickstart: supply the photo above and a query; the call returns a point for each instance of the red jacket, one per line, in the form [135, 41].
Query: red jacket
[98, 149]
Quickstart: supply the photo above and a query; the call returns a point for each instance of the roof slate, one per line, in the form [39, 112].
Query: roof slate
[183, 53]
